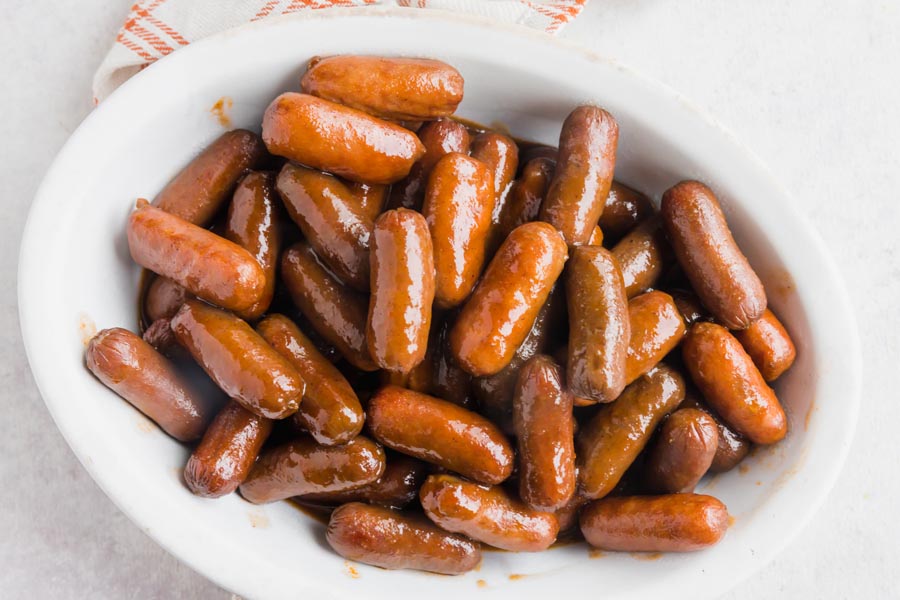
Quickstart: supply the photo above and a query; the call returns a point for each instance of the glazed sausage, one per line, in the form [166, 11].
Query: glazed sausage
[596, 238]
[304, 467]
[672, 523]
[642, 256]
[567, 515]
[402, 89]
[439, 138]
[391, 540]
[501, 154]
[131, 368]
[683, 451]
[500, 312]
[523, 203]
[623, 210]
[198, 192]
[458, 204]
[163, 299]
[370, 198]
[403, 290]
[731, 447]
[599, 326]
[397, 486]
[205, 264]
[656, 328]
[769, 345]
[225, 455]
[338, 139]
[732, 385]
[441, 433]
[610, 442]
[162, 338]
[702, 241]
[253, 225]
[336, 312]
[486, 514]
[542, 413]
[239, 360]
[689, 306]
[584, 173]
[330, 409]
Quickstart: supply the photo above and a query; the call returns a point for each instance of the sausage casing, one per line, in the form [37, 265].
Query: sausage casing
[397, 486]
[769, 345]
[523, 203]
[501, 154]
[683, 451]
[163, 299]
[656, 328]
[731, 447]
[623, 210]
[642, 256]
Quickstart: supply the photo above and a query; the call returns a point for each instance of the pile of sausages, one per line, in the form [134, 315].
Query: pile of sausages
[449, 337]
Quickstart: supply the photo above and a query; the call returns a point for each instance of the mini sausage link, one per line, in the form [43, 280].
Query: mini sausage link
[732, 385]
[656, 328]
[623, 210]
[331, 221]
[567, 515]
[330, 409]
[336, 312]
[642, 256]
[584, 173]
[370, 198]
[610, 442]
[670, 523]
[769, 345]
[163, 299]
[458, 204]
[131, 368]
[596, 238]
[198, 192]
[239, 360]
[441, 433]
[304, 467]
[502, 309]
[599, 325]
[403, 290]
[253, 225]
[402, 89]
[731, 447]
[501, 154]
[397, 486]
[706, 250]
[162, 338]
[338, 139]
[391, 540]
[486, 514]
[542, 412]
[207, 265]
[439, 138]
[523, 203]
[683, 451]
[225, 455]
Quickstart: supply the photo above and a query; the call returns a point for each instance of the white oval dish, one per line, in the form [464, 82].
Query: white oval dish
[75, 271]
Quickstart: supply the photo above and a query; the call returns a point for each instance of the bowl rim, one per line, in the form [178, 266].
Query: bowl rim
[29, 279]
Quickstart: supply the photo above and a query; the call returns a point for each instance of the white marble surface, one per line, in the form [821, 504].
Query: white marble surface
[812, 87]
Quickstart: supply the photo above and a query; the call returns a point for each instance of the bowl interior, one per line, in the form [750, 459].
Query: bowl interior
[76, 275]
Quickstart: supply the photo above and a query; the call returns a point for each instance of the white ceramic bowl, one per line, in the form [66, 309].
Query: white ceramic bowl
[75, 271]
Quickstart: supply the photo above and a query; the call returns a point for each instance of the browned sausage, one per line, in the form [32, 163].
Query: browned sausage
[656, 328]
[130, 367]
[402, 89]
[523, 203]
[486, 514]
[239, 360]
[330, 410]
[672, 523]
[339, 139]
[253, 225]
[542, 412]
[370, 198]
[610, 442]
[226, 453]
[163, 299]
[599, 326]
[440, 138]
[623, 210]
[683, 451]
[403, 290]
[642, 256]
[567, 515]
[205, 264]
[500, 312]
[397, 486]
[702, 241]
[391, 540]
[331, 221]
[584, 173]
[162, 338]
[501, 154]
[769, 345]
[731, 447]
[596, 238]
[336, 312]
[200, 189]
[304, 467]
[458, 204]
[440, 432]
[732, 385]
